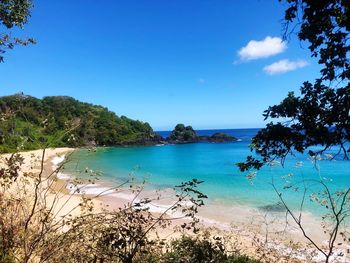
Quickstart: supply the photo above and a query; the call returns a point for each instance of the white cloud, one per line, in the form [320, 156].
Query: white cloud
[284, 65]
[262, 49]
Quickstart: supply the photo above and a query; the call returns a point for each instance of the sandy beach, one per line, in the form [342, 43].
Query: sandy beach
[249, 229]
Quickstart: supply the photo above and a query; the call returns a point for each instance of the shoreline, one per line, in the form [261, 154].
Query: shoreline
[245, 223]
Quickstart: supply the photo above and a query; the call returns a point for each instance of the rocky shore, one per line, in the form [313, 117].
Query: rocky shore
[186, 134]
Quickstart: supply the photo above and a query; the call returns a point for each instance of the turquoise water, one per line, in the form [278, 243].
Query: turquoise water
[168, 165]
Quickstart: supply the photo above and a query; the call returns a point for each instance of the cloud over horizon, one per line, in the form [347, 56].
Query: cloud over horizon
[267, 47]
[284, 65]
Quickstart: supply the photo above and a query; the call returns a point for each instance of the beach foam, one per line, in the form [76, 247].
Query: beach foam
[90, 189]
[55, 163]
[63, 176]
[98, 189]
[125, 196]
[57, 160]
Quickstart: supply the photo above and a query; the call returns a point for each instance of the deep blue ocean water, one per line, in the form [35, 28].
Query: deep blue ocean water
[166, 166]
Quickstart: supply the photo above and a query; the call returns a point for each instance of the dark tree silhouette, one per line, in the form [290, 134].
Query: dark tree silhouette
[13, 13]
[320, 114]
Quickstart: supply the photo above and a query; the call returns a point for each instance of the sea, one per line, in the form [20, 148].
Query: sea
[163, 167]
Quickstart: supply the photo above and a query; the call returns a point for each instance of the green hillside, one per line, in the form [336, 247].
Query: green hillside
[29, 123]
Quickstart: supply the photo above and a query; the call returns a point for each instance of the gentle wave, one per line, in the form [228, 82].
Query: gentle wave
[63, 176]
[55, 163]
[90, 189]
[99, 190]
[57, 160]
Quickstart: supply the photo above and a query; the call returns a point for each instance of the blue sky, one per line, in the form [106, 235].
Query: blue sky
[164, 62]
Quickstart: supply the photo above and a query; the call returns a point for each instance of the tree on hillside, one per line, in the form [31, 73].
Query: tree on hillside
[319, 116]
[13, 14]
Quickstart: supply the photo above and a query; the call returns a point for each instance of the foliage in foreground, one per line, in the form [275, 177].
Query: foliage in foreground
[201, 249]
[317, 119]
[13, 14]
[33, 227]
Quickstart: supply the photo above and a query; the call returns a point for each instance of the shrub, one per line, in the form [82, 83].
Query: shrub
[201, 249]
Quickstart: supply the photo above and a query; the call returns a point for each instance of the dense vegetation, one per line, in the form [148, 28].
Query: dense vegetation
[29, 123]
[183, 133]
[194, 249]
